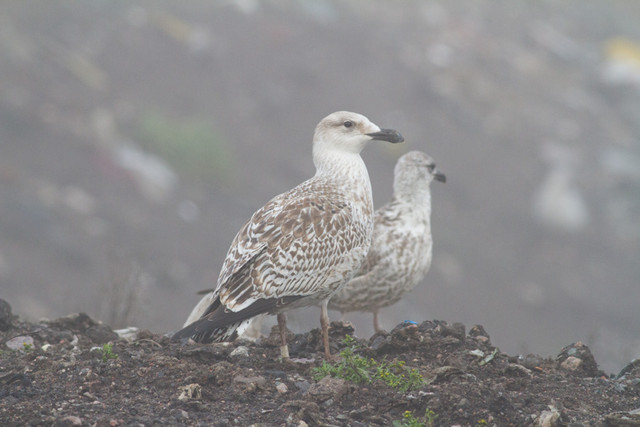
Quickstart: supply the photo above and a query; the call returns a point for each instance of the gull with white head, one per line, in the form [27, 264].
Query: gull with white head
[303, 245]
[400, 253]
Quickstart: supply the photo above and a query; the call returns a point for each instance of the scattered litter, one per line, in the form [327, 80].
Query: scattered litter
[191, 391]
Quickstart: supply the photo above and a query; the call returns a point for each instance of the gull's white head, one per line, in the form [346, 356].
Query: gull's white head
[348, 132]
[414, 172]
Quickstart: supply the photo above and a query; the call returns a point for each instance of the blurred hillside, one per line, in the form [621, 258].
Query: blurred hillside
[137, 137]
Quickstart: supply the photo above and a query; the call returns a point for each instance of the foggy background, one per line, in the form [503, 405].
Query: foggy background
[137, 137]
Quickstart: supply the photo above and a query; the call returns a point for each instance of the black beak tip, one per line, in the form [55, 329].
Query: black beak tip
[439, 176]
[389, 135]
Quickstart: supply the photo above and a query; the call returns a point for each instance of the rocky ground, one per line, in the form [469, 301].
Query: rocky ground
[76, 371]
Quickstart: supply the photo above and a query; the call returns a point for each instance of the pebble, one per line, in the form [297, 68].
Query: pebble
[20, 343]
[303, 385]
[328, 389]
[256, 380]
[70, 420]
[571, 363]
[281, 387]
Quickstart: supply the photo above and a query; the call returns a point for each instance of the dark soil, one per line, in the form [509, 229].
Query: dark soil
[72, 380]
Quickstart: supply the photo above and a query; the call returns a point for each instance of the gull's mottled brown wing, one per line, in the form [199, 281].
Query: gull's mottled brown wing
[293, 246]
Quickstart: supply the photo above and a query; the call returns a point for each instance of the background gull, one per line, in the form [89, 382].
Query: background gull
[303, 245]
[400, 253]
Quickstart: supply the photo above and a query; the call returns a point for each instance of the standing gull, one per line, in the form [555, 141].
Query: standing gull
[400, 253]
[303, 245]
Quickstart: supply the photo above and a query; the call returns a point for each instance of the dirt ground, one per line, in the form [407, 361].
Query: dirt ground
[62, 373]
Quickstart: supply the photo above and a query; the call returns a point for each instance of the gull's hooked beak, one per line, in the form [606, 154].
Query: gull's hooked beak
[389, 135]
[439, 176]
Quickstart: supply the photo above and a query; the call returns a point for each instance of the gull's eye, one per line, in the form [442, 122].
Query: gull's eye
[348, 124]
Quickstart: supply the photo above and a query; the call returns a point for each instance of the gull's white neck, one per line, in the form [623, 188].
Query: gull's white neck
[346, 170]
[419, 195]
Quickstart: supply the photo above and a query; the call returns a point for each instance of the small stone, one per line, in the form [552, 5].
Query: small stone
[21, 343]
[571, 363]
[328, 388]
[255, 380]
[303, 385]
[241, 351]
[282, 388]
[70, 420]
[302, 424]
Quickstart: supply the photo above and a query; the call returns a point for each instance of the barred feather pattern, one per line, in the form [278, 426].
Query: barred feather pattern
[401, 248]
[305, 242]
